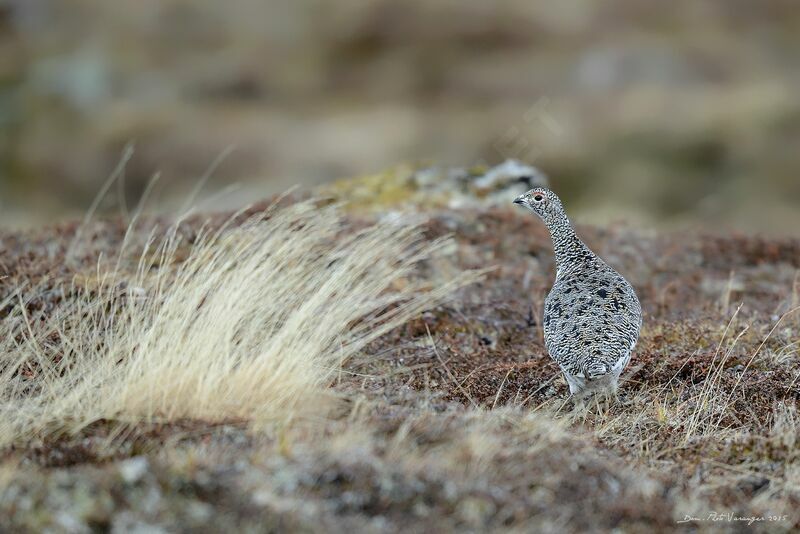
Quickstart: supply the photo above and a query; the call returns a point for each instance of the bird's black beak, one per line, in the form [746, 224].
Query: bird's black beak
[519, 200]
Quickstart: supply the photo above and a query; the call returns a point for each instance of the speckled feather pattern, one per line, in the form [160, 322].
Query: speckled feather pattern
[592, 316]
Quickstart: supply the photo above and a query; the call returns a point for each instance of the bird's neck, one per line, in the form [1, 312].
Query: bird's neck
[568, 247]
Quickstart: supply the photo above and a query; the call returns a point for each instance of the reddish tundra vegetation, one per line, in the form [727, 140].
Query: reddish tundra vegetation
[453, 417]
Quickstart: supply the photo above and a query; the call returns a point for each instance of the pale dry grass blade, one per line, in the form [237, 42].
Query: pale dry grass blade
[705, 400]
[118, 171]
[752, 358]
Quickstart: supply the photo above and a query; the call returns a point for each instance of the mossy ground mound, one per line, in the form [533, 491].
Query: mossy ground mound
[457, 420]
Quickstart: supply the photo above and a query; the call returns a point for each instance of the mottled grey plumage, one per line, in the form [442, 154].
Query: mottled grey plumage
[592, 316]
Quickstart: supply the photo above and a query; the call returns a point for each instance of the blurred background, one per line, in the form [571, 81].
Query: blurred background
[681, 113]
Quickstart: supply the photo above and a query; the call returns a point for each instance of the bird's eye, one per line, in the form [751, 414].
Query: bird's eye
[538, 198]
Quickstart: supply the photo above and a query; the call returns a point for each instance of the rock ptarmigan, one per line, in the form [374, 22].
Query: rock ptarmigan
[592, 316]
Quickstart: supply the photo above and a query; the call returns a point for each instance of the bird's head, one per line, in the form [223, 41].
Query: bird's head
[542, 202]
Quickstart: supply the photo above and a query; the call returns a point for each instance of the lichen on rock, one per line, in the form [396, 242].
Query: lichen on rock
[429, 187]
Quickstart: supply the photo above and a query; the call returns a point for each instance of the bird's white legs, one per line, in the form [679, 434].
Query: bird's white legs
[602, 392]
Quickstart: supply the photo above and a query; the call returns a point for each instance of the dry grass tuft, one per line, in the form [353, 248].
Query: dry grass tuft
[252, 326]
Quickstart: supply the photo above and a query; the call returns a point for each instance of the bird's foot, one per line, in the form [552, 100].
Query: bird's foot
[599, 402]
[580, 408]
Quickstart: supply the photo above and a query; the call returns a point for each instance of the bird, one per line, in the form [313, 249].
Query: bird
[592, 316]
